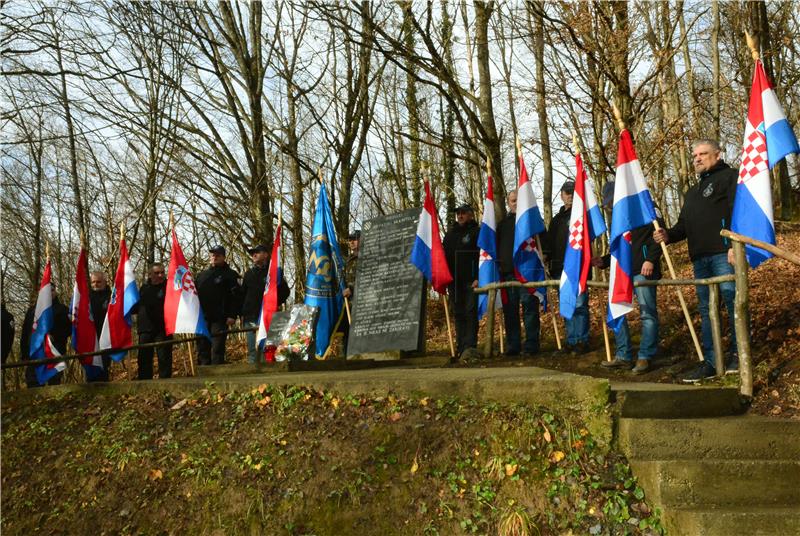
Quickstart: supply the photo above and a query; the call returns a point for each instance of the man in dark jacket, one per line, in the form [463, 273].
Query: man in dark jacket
[515, 296]
[646, 265]
[253, 284]
[707, 208]
[99, 298]
[350, 269]
[461, 251]
[7, 334]
[555, 248]
[58, 335]
[219, 292]
[151, 328]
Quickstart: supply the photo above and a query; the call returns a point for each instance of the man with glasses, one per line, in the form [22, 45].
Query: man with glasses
[151, 325]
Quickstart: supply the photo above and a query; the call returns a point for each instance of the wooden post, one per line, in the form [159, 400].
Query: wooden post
[716, 330]
[603, 320]
[449, 329]
[489, 351]
[502, 335]
[189, 347]
[657, 227]
[741, 320]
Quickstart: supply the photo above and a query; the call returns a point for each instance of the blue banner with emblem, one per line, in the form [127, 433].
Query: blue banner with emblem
[325, 280]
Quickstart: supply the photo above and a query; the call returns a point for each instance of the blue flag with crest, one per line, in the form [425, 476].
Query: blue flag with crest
[325, 280]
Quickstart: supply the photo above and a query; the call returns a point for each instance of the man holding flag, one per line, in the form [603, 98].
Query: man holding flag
[461, 251]
[124, 298]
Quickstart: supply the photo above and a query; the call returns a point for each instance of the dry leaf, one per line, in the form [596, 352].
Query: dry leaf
[511, 469]
[180, 404]
[335, 403]
[396, 416]
[424, 401]
[546, 435]
[557, 456]
[155, 474]
[414, 466]
[262, 388]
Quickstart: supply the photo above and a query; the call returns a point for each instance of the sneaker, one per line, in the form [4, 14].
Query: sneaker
[732, 367]
[642, 366]
[703, 372]
[618, 362]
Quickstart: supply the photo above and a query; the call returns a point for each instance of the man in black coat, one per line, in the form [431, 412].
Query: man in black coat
[253, 284]
[99, 298]
[219, 292]
[58, 335]
[7, 333]
[707, 208]
[515, 296]
[150, 312]
[461, 251]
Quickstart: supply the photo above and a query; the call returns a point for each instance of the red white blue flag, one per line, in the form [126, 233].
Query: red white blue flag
[585, 224]
[84, 334]
[528, 262]
[488, 271]
[633, 207]
[41, 345]
[428, 254]
[269, 302]
[124, 296]
[768, 138]
[182, 313]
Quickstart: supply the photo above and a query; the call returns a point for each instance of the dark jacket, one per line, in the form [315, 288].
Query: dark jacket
[7, 331]
[253, 283]
[350, 268]
[150, 308]
[505, 244]
[58, 335]
[98, 305]
[707, 208]
[555, 242]
[461, 251]
[644, 248]
[219, 292]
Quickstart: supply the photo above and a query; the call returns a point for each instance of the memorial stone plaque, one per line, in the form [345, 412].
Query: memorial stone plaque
[389, 303]
[280, 319]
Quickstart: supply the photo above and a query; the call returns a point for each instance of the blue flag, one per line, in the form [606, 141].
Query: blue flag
[325, 280]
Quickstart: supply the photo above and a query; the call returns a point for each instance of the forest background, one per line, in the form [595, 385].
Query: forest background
[223, 113]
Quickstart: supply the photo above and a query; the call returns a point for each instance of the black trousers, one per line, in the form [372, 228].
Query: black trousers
[213, 353]
[145, 356]
[465, 313]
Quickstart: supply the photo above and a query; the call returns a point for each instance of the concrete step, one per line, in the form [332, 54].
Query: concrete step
[720, 483]
[732, 521]
[675, 401]
[730, 438]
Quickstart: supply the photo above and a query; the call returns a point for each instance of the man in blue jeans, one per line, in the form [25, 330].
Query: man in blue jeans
[646, 265]
[516, 296]
[706, 210]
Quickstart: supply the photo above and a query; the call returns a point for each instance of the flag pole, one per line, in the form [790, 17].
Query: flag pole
[446, 302]
[597, 273]
[500, 324]
[346, 301]
[546, 271]
[686, 315]
[751, 44]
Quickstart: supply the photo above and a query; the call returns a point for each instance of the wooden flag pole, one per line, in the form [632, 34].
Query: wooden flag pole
[751, 44]
[547, 275]
[446, 303]
[500, 324]
[597, 273]
[664, 250]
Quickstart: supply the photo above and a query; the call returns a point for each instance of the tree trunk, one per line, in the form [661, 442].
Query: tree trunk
[715, 70]
[448, 140]
[541, 111]
[412, 106]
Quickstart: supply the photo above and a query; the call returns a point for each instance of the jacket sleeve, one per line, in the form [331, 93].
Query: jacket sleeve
[233, 301]
[606, 261]
[677, 232]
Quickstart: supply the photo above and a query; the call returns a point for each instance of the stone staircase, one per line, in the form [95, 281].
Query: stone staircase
[713, 473]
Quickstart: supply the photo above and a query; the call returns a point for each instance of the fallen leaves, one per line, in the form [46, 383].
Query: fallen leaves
[557, 456]
[155, 474]
[180, 404]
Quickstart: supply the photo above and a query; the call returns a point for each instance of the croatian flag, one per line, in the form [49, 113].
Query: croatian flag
[528, 263]
[125, 295]
[182, 313]
[487, 242]
[768, 138]
[585, 224]
[84, 335]
[428, 254]
[41, 346]
[269, 302]
[633, 207]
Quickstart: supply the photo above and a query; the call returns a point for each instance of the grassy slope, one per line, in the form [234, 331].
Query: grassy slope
[297, 461]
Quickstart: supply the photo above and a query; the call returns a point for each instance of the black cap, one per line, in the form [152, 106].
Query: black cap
[217, 249]
[466, 207]
[260, 248]
[568, 187]
[608, 194]
[355, 235]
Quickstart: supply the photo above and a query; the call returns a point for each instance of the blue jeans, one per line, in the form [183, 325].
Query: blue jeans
[648, 312]
[252, 351]
[578, 325]
[530, 316]
[710, 266]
